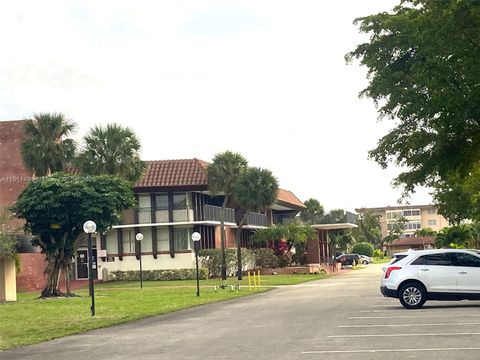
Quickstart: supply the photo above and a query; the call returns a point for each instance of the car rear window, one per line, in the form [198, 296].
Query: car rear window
[397, 258]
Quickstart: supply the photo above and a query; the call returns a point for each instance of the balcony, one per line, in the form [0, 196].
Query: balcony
[185, 214]
[257, 219]
[212, 213]
[348, 217]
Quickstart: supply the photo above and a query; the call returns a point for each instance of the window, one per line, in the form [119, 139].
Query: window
[179, 201]
[144, 201]
[161, 201]
[112, 243]
[162, 239]
[147, 239]
[407, 213]
[462, 259]
[434, 259]
[415, 212]
[181, 236]
[432, 222]
[432, 211]
[128, 241]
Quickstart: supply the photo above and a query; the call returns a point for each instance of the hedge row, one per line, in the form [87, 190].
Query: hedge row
[175, 274]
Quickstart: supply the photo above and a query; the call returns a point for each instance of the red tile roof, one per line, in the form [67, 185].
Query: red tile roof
[174, 173]
[288, 197]
[192, 173]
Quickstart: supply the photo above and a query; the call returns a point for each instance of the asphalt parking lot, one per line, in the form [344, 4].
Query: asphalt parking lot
[383, 329]
[342, 317]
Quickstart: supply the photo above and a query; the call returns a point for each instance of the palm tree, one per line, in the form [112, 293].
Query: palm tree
[112, 150]
[313, 211]
[47, 148]
[457, 236]
[255, 190]
[222, 176]
[425, 232]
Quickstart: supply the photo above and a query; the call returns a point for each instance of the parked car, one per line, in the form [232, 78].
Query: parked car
[443, 274]
[365, 260]
[395, 257]
[348, 259]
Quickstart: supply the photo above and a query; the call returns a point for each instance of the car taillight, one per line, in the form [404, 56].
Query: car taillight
[390, 269]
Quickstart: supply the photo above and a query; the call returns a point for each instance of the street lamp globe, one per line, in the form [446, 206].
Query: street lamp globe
[89, 227]
[139, 237]
[196, 236]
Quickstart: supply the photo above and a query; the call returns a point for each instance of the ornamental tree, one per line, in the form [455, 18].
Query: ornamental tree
[422, 62]
[55, 209]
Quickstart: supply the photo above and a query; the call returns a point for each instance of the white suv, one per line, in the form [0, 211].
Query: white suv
[444, 274]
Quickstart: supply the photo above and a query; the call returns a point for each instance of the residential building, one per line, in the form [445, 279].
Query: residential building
[417, 217]
[173, 202]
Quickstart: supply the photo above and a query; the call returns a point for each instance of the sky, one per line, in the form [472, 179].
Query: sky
[194, 78]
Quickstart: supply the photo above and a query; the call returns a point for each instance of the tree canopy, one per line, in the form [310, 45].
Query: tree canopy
[222, 177]
[46, 148]
[313, 212]
[55, 208]
[256, 189]
[422, 61]
[111, 150]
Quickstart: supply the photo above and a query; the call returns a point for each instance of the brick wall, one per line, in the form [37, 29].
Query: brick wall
[13, 174]
[31, 277]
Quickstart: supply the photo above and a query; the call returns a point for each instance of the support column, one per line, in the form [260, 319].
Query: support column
[8, 283]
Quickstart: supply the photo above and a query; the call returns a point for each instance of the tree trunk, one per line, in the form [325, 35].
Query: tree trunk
[52, 270]
[239, 248]
[222, 238]
[67, 279]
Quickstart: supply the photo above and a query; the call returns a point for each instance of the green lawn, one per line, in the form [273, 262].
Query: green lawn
[385, 260]
[31, 320]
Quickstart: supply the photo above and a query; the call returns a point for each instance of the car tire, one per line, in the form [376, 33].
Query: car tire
[412, 295]
[365, 262]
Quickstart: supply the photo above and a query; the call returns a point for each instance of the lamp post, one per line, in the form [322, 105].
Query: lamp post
[196, 245]
[139, 238]
[89, 227]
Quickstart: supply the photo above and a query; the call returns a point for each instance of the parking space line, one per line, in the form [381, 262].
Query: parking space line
[407, 325]
[428, 311]
[400, 335]
[386, 350]
[409, 316]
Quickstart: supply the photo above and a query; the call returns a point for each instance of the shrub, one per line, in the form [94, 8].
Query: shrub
[173, 274]
[378, 253]
[363, 248]
[265, 258]
[212, 260]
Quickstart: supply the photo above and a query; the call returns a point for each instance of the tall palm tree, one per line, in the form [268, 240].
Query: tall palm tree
[313, 211]
[112, 150]
[47, 148]
[222, 177]
[255, 190]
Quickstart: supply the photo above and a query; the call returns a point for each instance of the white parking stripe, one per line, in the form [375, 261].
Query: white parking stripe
[385, 350]
[409, 316]
[428, 311]
[407, 325]
[400, 335]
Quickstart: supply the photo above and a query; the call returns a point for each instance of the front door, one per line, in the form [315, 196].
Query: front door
[82, 264]
[437, 272]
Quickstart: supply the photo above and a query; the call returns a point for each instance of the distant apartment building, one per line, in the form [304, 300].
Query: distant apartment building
[418, 217]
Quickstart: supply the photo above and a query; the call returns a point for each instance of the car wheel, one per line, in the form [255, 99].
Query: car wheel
[412, 295]
[365, 262]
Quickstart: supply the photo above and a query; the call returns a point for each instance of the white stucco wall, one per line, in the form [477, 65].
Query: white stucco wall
[162, 262]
